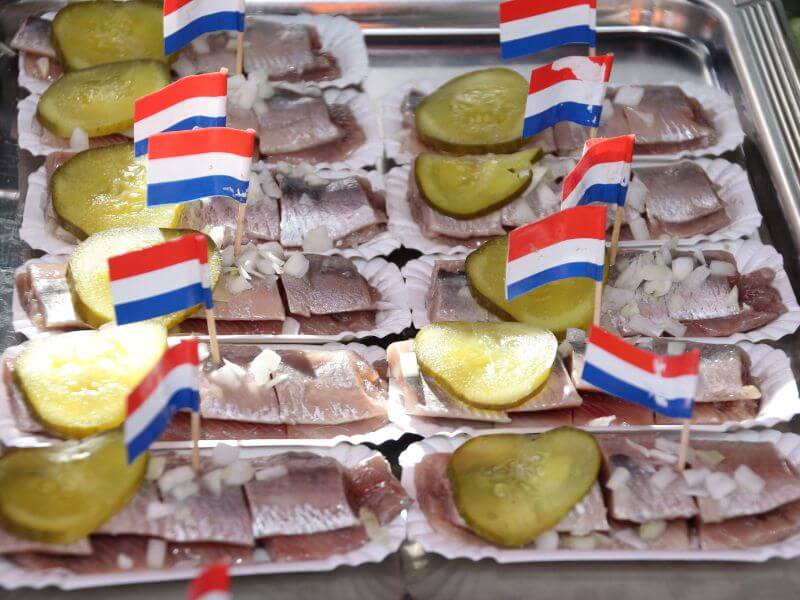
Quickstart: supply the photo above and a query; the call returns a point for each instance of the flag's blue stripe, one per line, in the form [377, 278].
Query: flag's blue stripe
[677, 408]
[565, 271]
[185, 190]
[161, 304]
[208, 297]
[140, 148]
[582, 114]
[182, 398]
[608, 193]
[578, 34]
[227, 20]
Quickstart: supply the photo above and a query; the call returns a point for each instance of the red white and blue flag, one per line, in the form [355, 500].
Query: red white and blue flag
[570, 89]
[196, 101]
[213, 583]
[665, 384]
[569, 243]
[188, 165]
[185, 20]
[173, 384]
[602, 174]
[530, 26]
[160, 279]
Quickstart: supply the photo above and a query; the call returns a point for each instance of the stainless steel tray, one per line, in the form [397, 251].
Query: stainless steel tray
[742, 46]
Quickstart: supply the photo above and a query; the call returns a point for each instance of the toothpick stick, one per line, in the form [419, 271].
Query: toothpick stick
[211, 324]
[684, 449]
[196, 440]
[615, 235]
[592, 51]
[237, 245]
[598, 297]
[240, 53]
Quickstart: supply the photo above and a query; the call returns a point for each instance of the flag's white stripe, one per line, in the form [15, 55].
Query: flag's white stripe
[683, 386]
[196, 9]
[161, 170]
[201, 106]
[154, 283]
[601, 173]
[182, 376]
[572, 16]
[572, 90]
[569, 251]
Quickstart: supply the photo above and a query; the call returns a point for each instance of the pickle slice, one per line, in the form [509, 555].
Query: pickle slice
[87, 34]
[104, 188]
[512, 488]
[475, 113]
[77, 384]
[556, 306]
[87, 270]
[62, 493]
[493, 366]
[99, 100]
[466, 187]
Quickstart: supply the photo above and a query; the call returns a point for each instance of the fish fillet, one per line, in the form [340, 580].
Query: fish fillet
[315, 546]
[289, 122]
[371, 486]
[601, 410]
[587, 516]
[449, 297]
[751, 531]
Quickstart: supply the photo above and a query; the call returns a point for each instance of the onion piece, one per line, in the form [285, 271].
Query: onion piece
[695, 477]
[174, 477]
[580, 542]
[124, 562]
[155, 467]
[722, 268]
[212, 481]
[272, 251]
[185, 490]
[675, 348]
[639, 229]
[79, 140]
[229, 375]
[629, 310]
[674, 328]
[675, 302]
[547, 541]
[630, 538]
[156, 553]
[666, 445]
[159, 510]
[697, 278]
[658, 288]
[43, 66]
[699, 256]
[664, 457]
[748, 480]
[710, 457]
[317, 239]
[656, 272]
[606, 112]
[183, 66]
[615, 298]
[270, 473]
[619, 477]
[732, 298]
[629, 95]
[720, 485]
[682, 267]
[290, 326]
[237, 473]
[409, 367]
[637, 195]
[652, 530]
[644, 326]
[296, 266]
[565, 349]
[237, 284]
[662, 478]
[263, 365]
[224, 454]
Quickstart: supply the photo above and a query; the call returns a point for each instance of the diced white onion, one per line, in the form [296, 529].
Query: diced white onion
[229, 375]
[652, 530]
[667, 445]
[547, 541]
[619, 477]
[607, 112]
[224, 454]
[79, 140]
[260, 555]
[237, 284]
[174, 477]
[720, 485]
[276, 380]
[666, 253]
[576, 336]
[270, 473]
[662, 478]
[658, 288]
[682, 267]
[629, 310]
[290, 326]
[748, 479]
[183, 66]
[710, 457]
[155, 467]
[374, 530]
[266, 90]
[580, 542]
[317, 239]
[43, 66]
[237, 473]
[263, 365]
[228, 258]
[675, 348]
[695, 477]
[547, 197]
[124, 562]
[217, 235]
[732, 298]
[212, 481]
[646, 116]
[615, 298]
[245, 95]
[235, 81]
[644, 326]
[637, 195]
[722, 268]
[296, 266]
[159, 510]
[629, 95]
[185, 490]
[409, 367]
[697, 278]
[313, 179]
[565, 349]
[630, 538]
[639, 229]
[674, 328]
[643, 450]
[200, 45]
[699, 256]
[675, 302]
[664, 457]
[156, 553]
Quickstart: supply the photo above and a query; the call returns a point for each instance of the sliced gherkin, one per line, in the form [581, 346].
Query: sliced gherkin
[512, 488]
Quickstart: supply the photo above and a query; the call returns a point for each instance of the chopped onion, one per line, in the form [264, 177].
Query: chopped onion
[644, 326]
[675, 348]
[664, 457]
[658, 288]
[710, 457]
[43, 66]
[374, 530]
[174, 477]
[547, 541]
[638, 447]
[652, 530]
[666, 254]
[290, 326]
[695, 477]
[200, 45]
[748, 480]
[639, 229]
[565, 349]
[263, 365]
[159, 510]
[409, 367]
[656, 273]
[217, 235]
[79, 140]
[315, 180]
[607, 112]
[296, 266]
[629, 95]
[254, 191]
[317, 239]
[235, 81]
[614, 298]
[266, 90]
[183, 66]
[619, 477]
[124, 562]
[265, 266]
[630, 538]
[662, 478]
[547, 197]
[580, 542]
[260, 555]
[270, 473]
[732, 298]
[576, 336]
[682, 267]
[224, 454]
[630, 277]
[155, 467]
[238, 473]
[674, 328]
[272, 251]
[722, 268]
[675, 302]
[185, 490]
[697, 277]
[637, 195]
[666, 445]
[246, 95]
[212, 481]
[276, 380]
[229, 375]
[237, 284]
[720, 485]
[156, 553]
[699, 256]
[629, 310]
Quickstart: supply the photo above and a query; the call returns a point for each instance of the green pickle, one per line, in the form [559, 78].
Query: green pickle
[77, 383]
[87, 270]
[511, 488]
[87, 34]
[556, 306]
[99, 100]
[64, 492]
[465, 187]
[475, 113]
[495, 366]
[104, 188]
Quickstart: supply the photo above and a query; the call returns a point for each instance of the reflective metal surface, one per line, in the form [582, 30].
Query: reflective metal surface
[739, 45]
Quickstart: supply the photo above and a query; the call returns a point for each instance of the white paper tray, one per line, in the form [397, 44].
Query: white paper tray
[13, 577]
[420, 530]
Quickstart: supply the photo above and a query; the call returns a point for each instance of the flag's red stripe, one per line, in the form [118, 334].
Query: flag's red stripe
[678, 365]
[193, 86]
[597, 151]
[214, 579]
[181, 354]
[170, 6]
[546, 76]
[522, 9]
[572, 223]
[156, 257]
[199, 141]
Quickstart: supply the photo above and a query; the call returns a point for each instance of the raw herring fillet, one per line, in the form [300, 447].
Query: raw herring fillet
[449, 297]
[247, 401]
[47, 297]
[232, 327]
[23, 419]
[315, 546]
[601, 410]
[751, 531]
[11, 544]
[587, 516]
[675, 536]
[557, 393]
[262, 302]
[342, 206]
[371, 486]
[327, 387]
[262, 219]
[637, 500]
[782, 483]
[322, 431]
[103, 559]
[307, 495]
[362, 320]
[289, 52]
[195, 554]
[289, 122]
[34, 36]
[716, 413]
[179, 430]
[331, 285]
[132, 520]
[546, 419]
